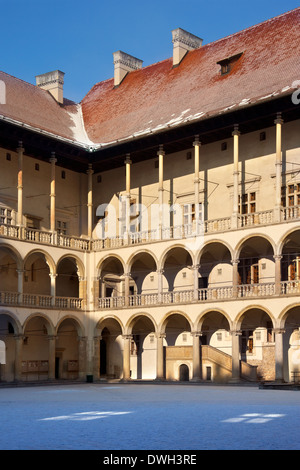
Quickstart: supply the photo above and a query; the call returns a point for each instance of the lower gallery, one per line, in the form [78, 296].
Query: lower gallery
[151, 231]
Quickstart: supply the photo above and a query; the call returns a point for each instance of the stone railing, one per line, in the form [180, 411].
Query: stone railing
[256, 290]
[290, 287]
[167, 233]
[39, 300]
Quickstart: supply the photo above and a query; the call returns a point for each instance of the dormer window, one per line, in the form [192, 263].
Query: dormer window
[228, 63]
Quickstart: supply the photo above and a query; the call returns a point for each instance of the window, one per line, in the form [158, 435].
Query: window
[61, 227]
[290, 195]
[5, 216]
[189, 213]
[248, 271]
[8, 157]
[228, 63]
[37, 167]
[290, 267]
[33, 222]
[247, 203]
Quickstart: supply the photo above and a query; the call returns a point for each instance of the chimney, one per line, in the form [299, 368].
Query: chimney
[52, 82]
[124, 63]
[182, 43]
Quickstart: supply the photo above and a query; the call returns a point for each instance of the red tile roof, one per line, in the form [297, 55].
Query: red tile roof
[157, 96]
[160, 95]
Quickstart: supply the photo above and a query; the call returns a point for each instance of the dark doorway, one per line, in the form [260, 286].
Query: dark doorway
[57, 367]
[103, 367]
[184, 373]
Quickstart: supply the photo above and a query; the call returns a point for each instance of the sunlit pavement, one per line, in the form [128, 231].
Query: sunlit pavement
[143, 417]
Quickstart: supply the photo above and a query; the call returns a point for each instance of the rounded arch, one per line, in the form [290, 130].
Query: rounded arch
[207, 244]
[201, 318]
[48, 258]
[163, 324]
[241, 244]
[284, 239]
[106, 259]
[241, 315]
[39, 315]
[106, 321]
[167, 252]
[15, 321]
[135, 318]
[78, 262]
[14, 253]
[78, 324]
[285, 313]
[137, 255]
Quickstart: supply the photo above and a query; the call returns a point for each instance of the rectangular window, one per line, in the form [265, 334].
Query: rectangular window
[5, 216]
[290, 195]
[61, 227]
[247, 203]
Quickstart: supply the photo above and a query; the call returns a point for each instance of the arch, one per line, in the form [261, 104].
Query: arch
[211, 242]
[239, 319]
[79, 263]
[168, 250]
[106, 258]
[201, 317]
[285, 313]
[184, 373]
[136, 317]
[14, 253]
[50, 326]
[239, 246]
[284, 237]
[16, 322]
[48, 258]
[163, 324]
[79, 326]
[131, 260]
[105, 322]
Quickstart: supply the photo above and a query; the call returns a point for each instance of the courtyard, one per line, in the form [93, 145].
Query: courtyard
[162, 417]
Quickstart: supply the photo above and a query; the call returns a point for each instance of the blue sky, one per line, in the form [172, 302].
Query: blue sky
[79, 37]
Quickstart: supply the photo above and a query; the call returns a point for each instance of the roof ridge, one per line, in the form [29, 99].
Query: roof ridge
[252, 27]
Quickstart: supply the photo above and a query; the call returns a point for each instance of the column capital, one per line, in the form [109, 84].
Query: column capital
[196, 333]
[52, 337]
[90, 170]
[160, 335]
[196, 141]
[161, 150]
[278, 119]
[20, 147]
[235, 332]
[127, 159]
[196, 266]
[278, 331]
[160, 271]
[127, 337]
[277, 257]
[127, 274]
[53, 158]
[236, 130]
[235, 261]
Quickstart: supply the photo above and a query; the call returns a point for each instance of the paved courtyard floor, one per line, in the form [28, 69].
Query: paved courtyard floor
[148, 417]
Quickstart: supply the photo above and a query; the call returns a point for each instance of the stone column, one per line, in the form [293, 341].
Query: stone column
[279, 354]
[97, 340]
[126, 357]
[127, 284]
[53, 288]
[52, 344]
[277, 259]
[197, 144]
[235, 277]
[53, 160]
[160, 356]
[82, 357]
[197, 373]
[235, 211]
[128, 197]
[161, 154]
[20, 151]
[278, 167]
[20, 273]
[90, 201]
[235, 335]
[18, 357]
[160, 279]
[196, 281]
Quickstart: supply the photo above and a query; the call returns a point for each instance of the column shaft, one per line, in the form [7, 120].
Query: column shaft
[20, 151]
[52, 193]
[126, 357]
[90, 201]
